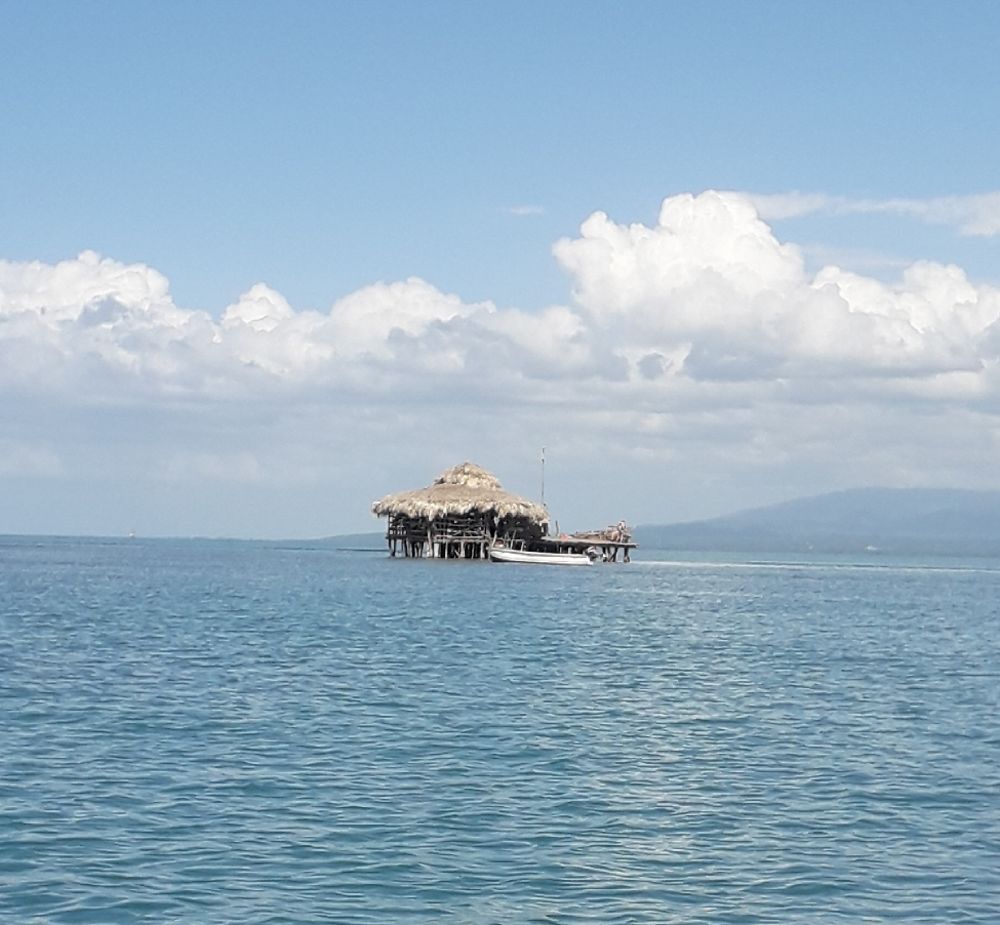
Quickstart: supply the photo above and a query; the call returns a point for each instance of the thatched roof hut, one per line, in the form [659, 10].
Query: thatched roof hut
[460, 490]
[459, 515]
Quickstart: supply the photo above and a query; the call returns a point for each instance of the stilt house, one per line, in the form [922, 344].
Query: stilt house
[459, 516]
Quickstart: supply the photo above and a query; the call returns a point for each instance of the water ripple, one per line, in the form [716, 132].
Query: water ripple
[221, 732]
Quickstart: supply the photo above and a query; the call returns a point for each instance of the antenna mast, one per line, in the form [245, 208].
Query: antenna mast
[543, 476]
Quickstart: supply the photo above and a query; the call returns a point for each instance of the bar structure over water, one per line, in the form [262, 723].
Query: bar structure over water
[465, 511]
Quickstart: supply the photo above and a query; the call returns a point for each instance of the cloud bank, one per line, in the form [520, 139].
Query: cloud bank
[706, 295]
[698, 342]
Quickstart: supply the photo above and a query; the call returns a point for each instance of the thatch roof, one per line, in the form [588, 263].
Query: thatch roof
[463, 489]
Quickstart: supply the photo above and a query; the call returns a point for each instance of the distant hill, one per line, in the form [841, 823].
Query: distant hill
[896, 521]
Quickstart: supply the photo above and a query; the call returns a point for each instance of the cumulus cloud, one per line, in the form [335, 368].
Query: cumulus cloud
[707, 293]
[712, 288]
[699, 337]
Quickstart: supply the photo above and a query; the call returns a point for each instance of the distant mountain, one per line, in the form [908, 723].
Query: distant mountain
[898, 521]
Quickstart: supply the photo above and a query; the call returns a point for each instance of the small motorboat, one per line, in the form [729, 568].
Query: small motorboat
[535, 557]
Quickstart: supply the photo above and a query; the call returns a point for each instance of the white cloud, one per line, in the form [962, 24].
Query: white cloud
[976, 215]
[707, 294]
[524, 211]
[364, 322]
[776, 206]
[67, 290]
[701, 341]
[712, 281]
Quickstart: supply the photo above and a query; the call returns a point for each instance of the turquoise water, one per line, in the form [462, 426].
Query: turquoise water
[206, 732]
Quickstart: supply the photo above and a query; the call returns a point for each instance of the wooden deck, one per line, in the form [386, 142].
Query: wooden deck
[609, 548]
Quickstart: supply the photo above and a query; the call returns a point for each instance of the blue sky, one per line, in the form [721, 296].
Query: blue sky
[321, 148]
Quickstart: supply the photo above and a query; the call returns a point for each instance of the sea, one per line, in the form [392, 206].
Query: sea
[196, 731]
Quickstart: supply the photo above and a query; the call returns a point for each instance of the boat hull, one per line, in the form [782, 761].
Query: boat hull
[526, 557]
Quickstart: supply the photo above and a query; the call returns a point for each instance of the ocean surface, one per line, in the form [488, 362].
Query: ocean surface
[215, 732]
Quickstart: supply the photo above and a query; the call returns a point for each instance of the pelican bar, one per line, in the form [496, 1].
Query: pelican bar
[466, 511]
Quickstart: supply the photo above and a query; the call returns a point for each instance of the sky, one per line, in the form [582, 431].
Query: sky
[262, 263]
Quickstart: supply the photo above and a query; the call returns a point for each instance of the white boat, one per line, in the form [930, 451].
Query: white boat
[504, 554]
